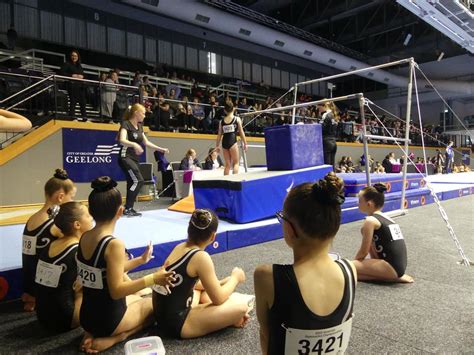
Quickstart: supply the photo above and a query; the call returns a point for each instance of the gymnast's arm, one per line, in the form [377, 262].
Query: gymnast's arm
[118, 287]
[202, 265]
[131, 264]
[13, 122]
[367, 231]
[242, 134]
[264, 296]
[154, 146]
[219, 135]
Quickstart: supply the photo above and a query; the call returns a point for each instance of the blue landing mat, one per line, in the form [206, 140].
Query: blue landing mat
[244, 198]
[357, 181]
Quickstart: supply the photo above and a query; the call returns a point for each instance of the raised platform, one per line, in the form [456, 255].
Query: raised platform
[167, 228]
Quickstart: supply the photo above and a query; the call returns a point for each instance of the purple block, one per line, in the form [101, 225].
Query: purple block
[292, 147]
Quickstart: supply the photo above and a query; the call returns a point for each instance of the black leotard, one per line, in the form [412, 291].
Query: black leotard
[172, 309]
[290, 311]
[229, 137]
[33, 242]
[390, 245]
[100, 313]
[55, 304]
[133, 135]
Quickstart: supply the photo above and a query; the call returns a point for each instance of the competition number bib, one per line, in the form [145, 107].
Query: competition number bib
[29, 245]
[90, 277]
[321, 341]
[228, 128]
[48, 274]
[395, 231]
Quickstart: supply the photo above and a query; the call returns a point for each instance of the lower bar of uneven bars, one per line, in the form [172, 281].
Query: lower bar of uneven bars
[255, 146]
[388, 138]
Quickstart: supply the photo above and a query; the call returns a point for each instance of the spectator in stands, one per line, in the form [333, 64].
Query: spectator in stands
[213, 160]
[198, 114]
[77, 94]
[449, 155]
[315, 292]
[108, 95]
[190, 162]
[211, 114]
[137, 79]
[13, 122]
[190, 119]
[146, 83]
[162, 115]
[12, 37]
[387, 164]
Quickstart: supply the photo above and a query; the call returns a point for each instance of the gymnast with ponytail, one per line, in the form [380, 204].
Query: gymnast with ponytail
[40, 231]
[110, 310]
[382, 240]
[315, 292]
[58, 295]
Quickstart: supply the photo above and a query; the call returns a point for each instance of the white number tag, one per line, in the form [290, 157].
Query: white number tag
[306, 341]
[29, 245]
[228, 128]
[90, 276]
[48, 274]
[395, 231]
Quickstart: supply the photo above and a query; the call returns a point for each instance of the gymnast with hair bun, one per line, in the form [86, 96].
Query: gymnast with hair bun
[315, 292]
[382, 240]
[199, 303]
[110, 311]
[40, 231]
[58, 295]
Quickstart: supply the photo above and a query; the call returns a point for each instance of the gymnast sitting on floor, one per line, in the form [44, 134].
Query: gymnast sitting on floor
[110, 311]
[40, 231]
[58, 295]
[315, 292]
[382, 239]
[199, 303]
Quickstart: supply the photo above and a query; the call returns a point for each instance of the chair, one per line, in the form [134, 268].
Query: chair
[146, 169]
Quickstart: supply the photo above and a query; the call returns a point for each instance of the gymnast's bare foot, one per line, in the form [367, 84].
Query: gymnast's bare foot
[407, 279]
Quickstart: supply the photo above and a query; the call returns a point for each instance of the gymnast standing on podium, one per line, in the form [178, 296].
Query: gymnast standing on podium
[229, 127]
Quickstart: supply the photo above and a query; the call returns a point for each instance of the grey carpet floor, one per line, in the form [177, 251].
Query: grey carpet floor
[433, 315]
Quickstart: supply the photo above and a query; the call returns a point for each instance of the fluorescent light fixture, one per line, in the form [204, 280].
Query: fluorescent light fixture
[440, 56]
[407, 39]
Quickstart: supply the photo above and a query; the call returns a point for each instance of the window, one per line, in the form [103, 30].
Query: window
[211, 63]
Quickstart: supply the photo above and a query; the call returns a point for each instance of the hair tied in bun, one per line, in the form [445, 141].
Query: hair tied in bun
[61, 174]
[53, 211]
[103, 184]
[325, 197]
[380, 187]
[201, 219]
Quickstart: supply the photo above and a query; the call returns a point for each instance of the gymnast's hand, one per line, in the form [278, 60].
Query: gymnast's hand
[239, 274]
[244, 147]
[164, 278]
[147, 254]
[138, 149]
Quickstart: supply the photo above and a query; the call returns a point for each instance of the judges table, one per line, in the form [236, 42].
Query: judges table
[396, 168]
[183, 179]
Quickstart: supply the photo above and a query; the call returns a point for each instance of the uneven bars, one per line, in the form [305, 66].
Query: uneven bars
[402, 61]
[304, 104]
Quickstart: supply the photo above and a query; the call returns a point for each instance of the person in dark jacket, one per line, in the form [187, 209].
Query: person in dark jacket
[190, 162]
[329, 127]
[213, 160]
[77, 94]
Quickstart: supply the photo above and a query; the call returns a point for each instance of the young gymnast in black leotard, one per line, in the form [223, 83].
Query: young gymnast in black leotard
[189, 311]
[382, 239]
[293, 301]
[229, 127]
[39, 231]
[110, 312]
[58, 295]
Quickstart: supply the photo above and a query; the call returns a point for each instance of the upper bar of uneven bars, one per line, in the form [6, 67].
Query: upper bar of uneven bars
[304, 104]
[402, 61]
